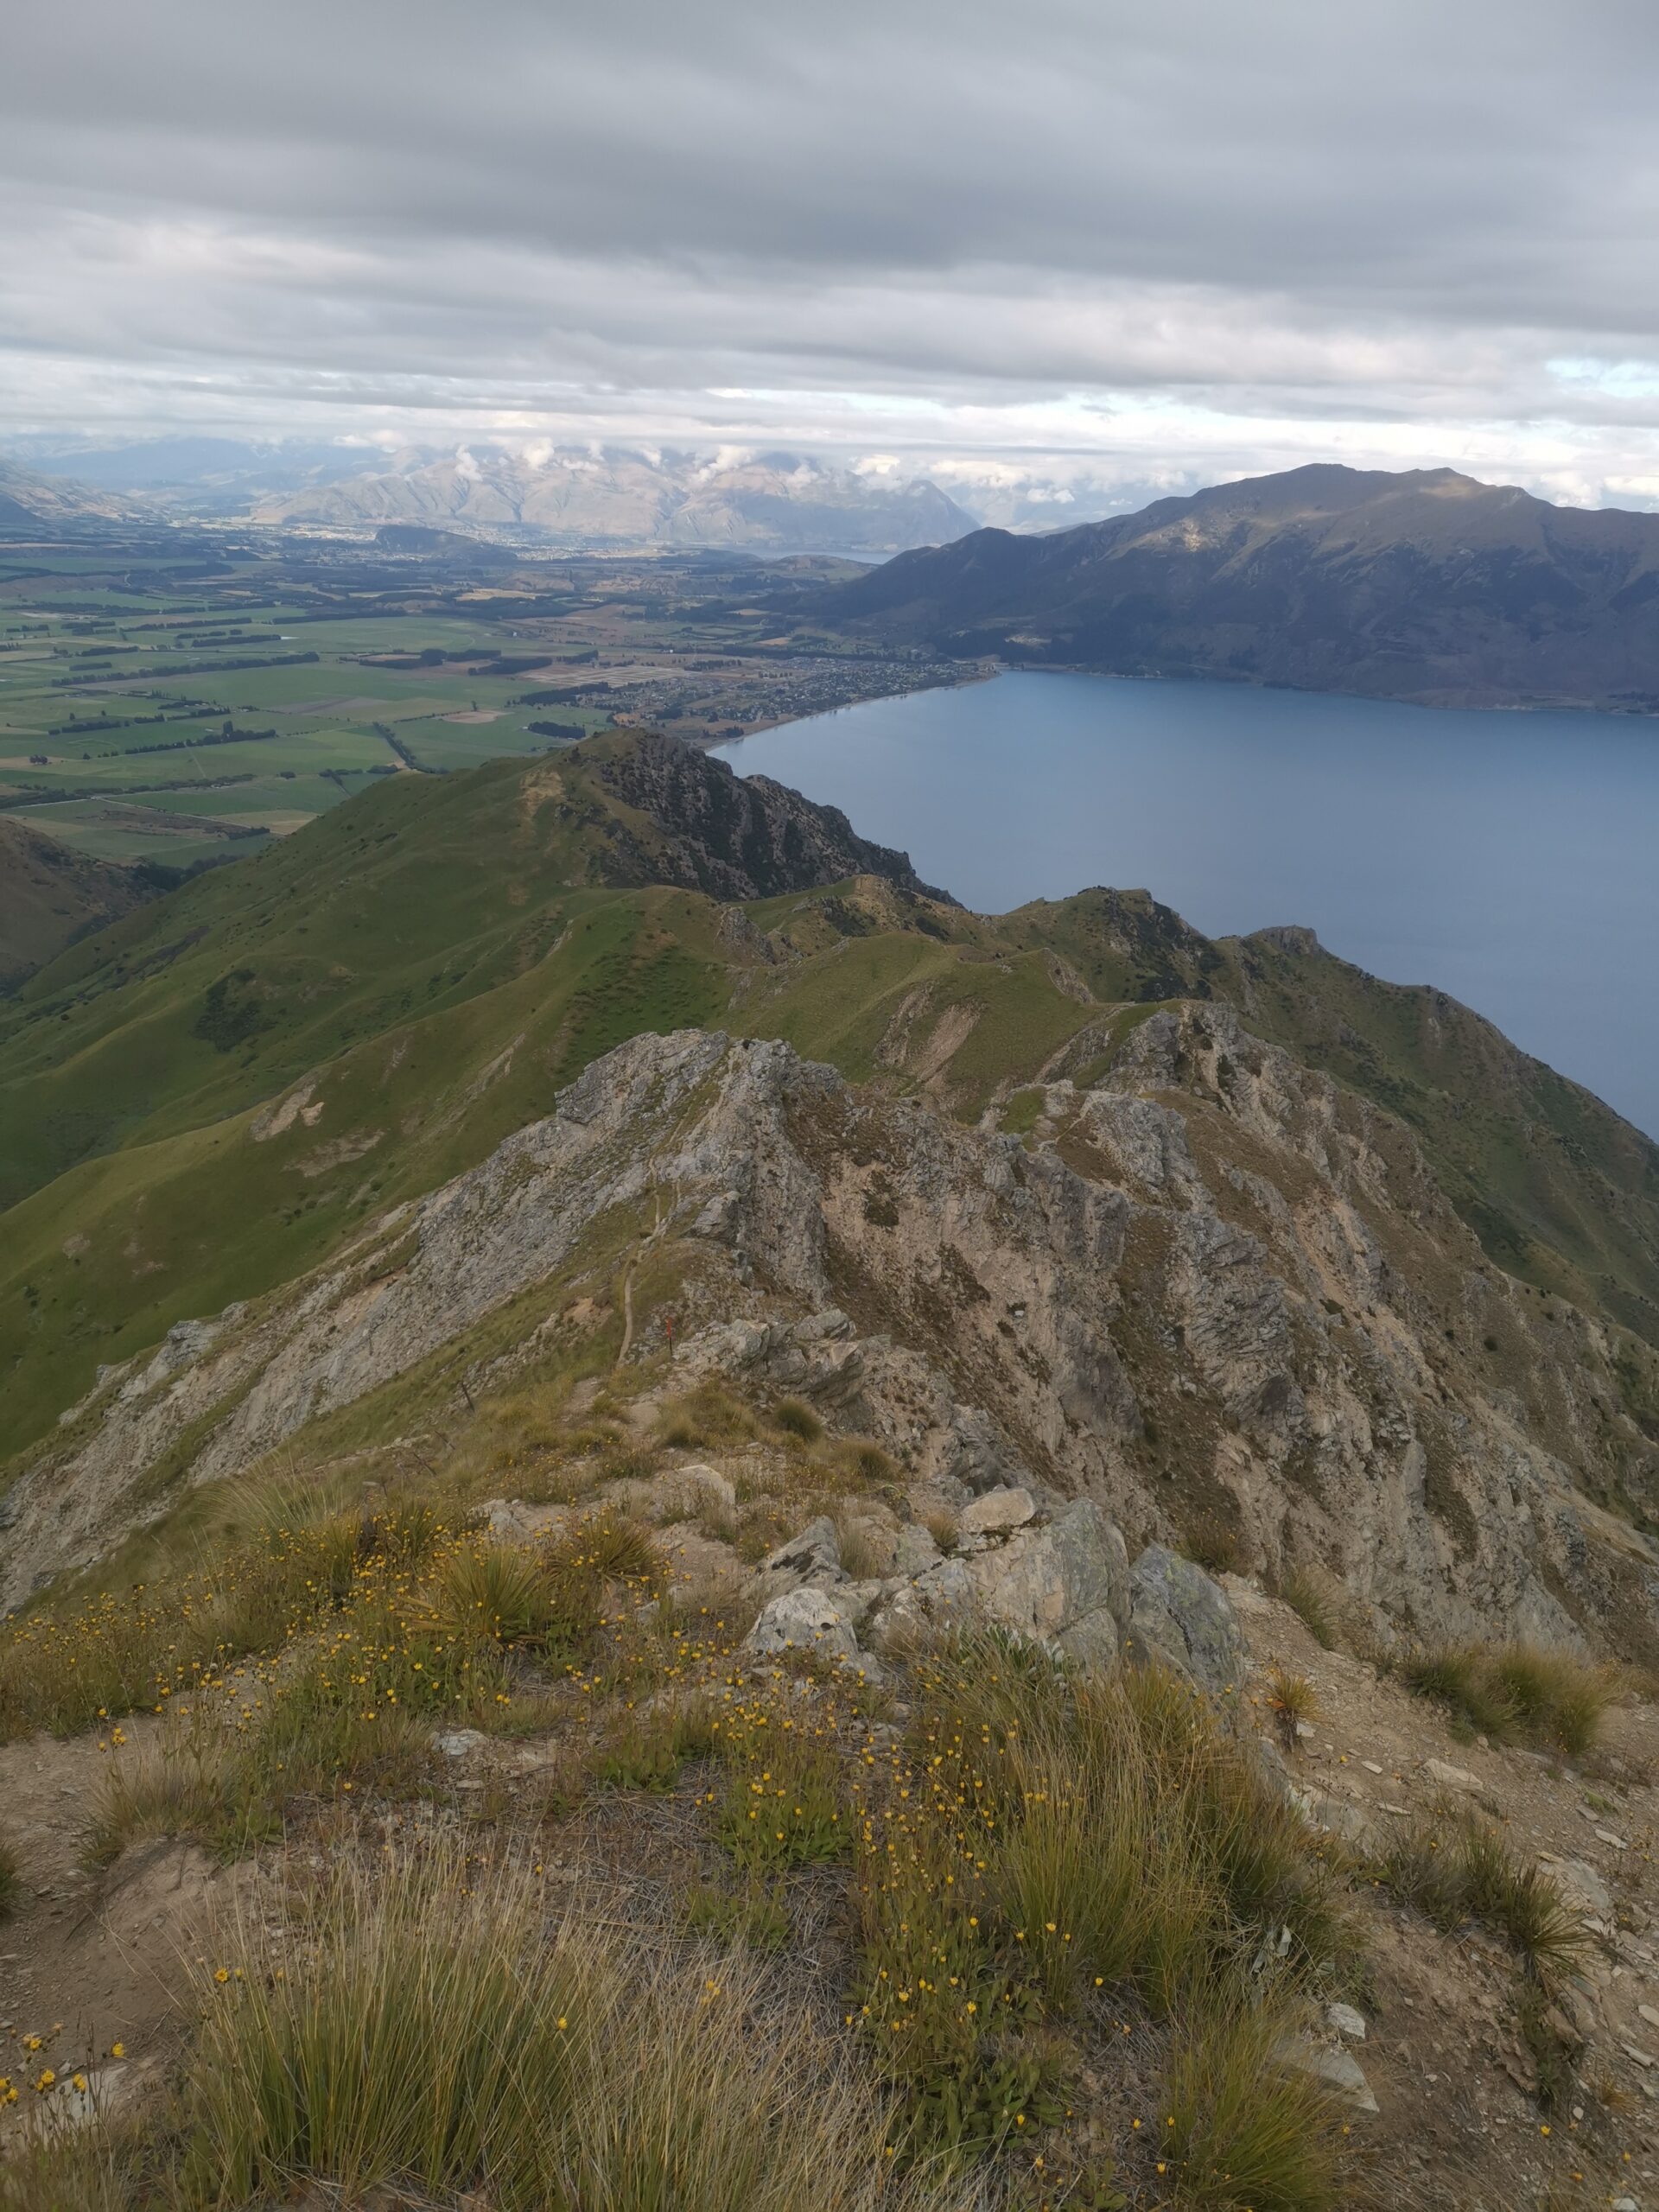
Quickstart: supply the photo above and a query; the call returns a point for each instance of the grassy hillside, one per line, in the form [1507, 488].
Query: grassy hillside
[1560, 1190]
[50, 896]
[218, 1091]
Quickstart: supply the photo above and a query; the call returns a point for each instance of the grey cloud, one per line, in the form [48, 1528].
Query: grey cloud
[625, 212]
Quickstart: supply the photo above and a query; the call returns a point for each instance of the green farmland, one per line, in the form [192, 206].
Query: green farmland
[184, 696]
[185, 707]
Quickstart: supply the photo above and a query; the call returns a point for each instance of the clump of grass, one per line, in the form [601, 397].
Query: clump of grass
[611, 1550]
[190, 1784]
[1213, 1543]
[797, 1418]
[429, 2035]
[1248, 2133]
[1293, 1701]
[495, 1593]
[1047, 1833]
[11, 1881]
[92, 2168]
[864, 1457]
[754, 1918]
[941, 1524]
[1552, 2054]
[863, 1553]
[1516, 1691]
[1314, 1605]
[423, 2031]
[319, 1738]
[63, 1668]
[710, 1413]
[1461, 1869]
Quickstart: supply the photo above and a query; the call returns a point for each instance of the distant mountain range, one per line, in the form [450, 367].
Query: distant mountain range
[26, 500]
[611, 500]
[771, 502]
[1424, 586]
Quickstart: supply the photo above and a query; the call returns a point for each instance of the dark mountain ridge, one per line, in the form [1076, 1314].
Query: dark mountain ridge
[1426, 586]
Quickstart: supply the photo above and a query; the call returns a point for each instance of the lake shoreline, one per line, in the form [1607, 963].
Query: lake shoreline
[1506, 862]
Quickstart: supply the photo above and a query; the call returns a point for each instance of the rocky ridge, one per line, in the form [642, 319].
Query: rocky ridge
[1206, 1292]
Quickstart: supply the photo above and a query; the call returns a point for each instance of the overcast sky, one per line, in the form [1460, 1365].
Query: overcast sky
[1133, 245]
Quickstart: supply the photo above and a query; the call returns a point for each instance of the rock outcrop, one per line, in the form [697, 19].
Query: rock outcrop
[1211, 1289]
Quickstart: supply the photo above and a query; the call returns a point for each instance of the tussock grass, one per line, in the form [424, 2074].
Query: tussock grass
[94, 2168]
[1249, 2134]
[1515, 1691]
[423, 2030]
[863, 1552]
[797, 1418]
[1459, 1869]
[429, 2029]
[708, 1415]
[1043, 1835]
[1292, 1699]
[606, 1550]
[862, 1457]
[1214, 1543]
[11, 1880]
[190, 1784]
[1315, 1605]
[64, 1667]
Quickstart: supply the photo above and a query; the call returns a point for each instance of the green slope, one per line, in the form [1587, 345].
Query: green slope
[221, 1090]
[1558, 1187]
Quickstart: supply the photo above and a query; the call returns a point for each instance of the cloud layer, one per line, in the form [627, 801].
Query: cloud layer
[1086, 245]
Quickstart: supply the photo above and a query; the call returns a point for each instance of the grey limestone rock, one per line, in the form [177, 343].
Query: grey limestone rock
[1179, 1615]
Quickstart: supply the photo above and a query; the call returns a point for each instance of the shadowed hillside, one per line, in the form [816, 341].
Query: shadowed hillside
[1424, 586]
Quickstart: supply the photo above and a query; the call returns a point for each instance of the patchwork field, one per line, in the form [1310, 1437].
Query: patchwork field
[183, 696]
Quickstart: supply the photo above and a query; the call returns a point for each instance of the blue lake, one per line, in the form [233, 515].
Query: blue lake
[1511, 859]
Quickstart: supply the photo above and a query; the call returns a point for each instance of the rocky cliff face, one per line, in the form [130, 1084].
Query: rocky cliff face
[732, 837]
[1207, 1290]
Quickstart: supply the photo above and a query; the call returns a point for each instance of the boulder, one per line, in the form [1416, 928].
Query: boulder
[914, 1552]
[812, 1557]
[804, 1620]
[1584, 1889]
[1179, 1616]
[1065, 1584]
[705, 1484]
[1450, 1777]
[998, 1512]
[1339, 2070]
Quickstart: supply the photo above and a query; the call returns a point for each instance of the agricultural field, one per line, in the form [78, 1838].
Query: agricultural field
[180, 697]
